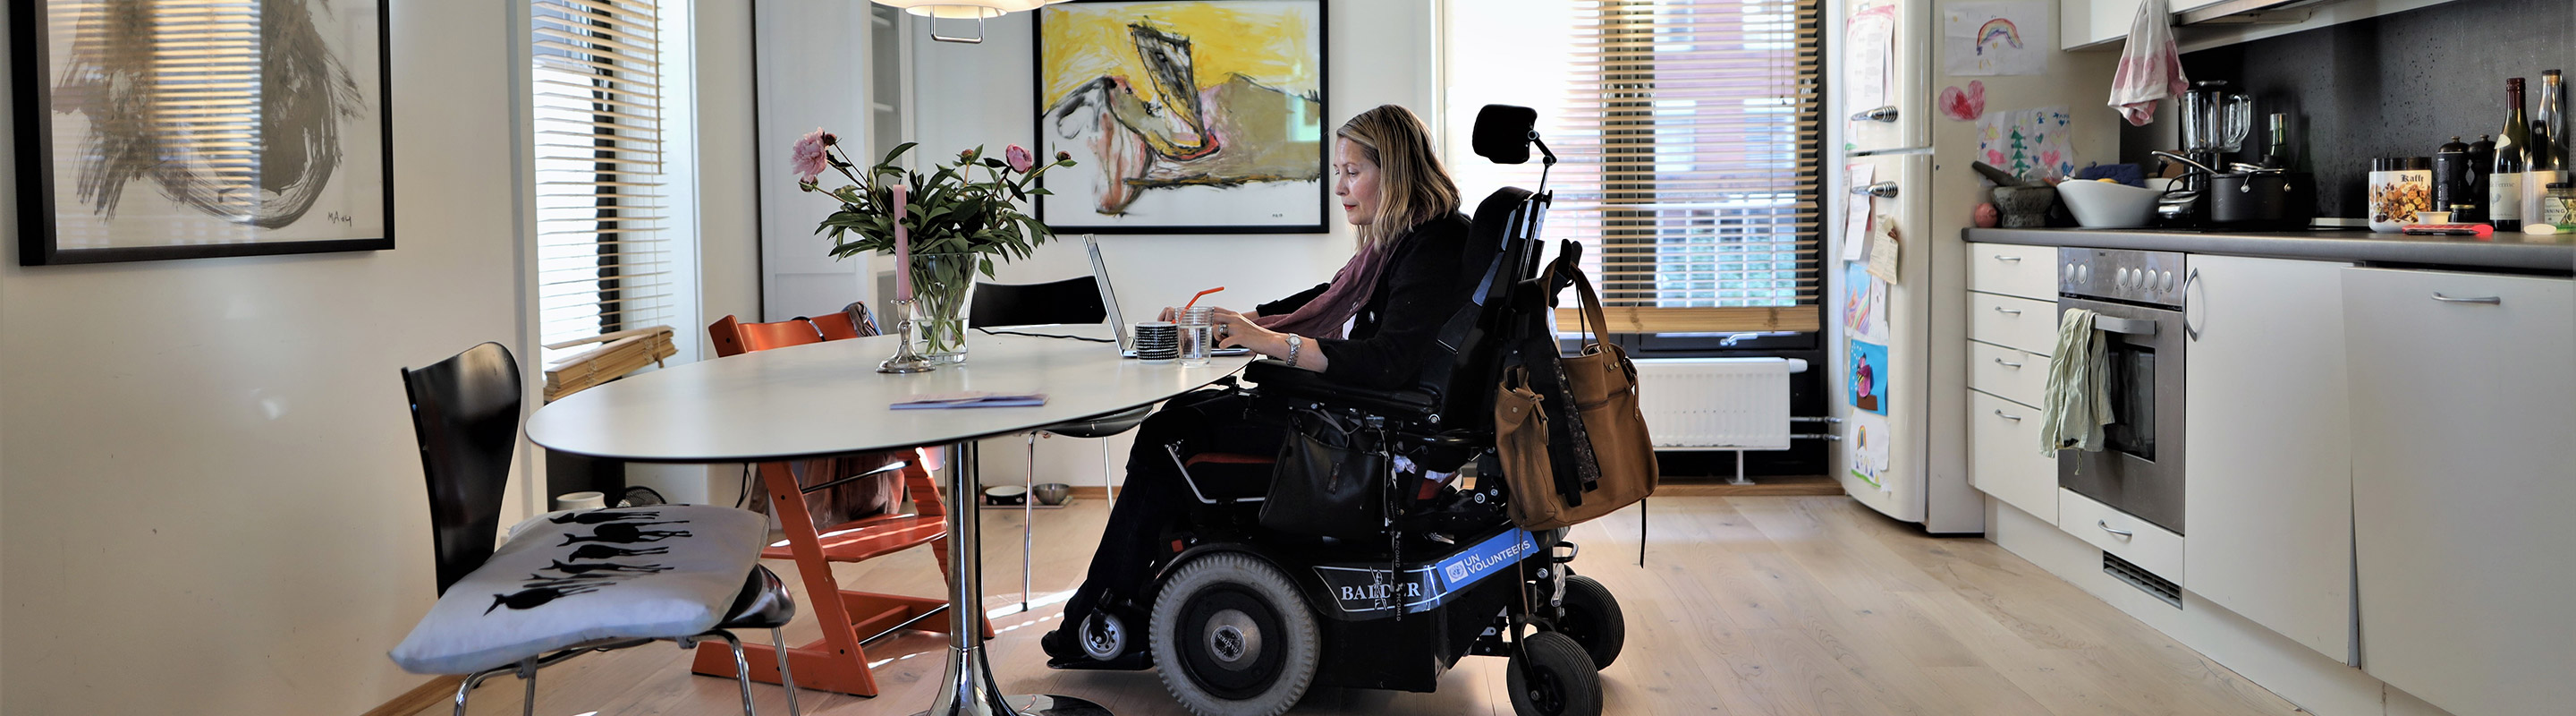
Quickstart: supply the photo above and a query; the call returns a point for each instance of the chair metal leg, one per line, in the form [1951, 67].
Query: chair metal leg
[528, 679]
[778, 638]
[741, 668]
[1105, 482]
[1028, 526]
[474, 680]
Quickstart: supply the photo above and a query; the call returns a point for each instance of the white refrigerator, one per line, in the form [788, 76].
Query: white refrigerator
[1900, 347]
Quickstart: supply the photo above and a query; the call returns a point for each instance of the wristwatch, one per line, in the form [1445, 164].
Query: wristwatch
[1295, 343]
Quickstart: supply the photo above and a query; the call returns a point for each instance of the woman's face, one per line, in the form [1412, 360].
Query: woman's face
[1355, 181]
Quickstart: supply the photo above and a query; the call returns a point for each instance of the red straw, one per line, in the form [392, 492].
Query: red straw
[1194, 300]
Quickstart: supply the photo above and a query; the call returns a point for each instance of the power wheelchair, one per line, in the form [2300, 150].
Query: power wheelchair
[1245, 617]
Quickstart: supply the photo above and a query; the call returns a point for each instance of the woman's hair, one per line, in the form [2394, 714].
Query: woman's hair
[1412, 186]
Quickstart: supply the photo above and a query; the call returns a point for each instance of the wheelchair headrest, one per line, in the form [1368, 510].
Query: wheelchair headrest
[1503, 133]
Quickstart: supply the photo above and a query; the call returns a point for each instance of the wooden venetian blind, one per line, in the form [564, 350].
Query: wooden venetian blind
[604, 260]
[1692, 172]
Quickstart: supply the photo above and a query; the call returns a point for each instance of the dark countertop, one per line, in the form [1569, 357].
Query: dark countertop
[2552, 253]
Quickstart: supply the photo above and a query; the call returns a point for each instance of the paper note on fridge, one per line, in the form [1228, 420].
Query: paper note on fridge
[970, 399]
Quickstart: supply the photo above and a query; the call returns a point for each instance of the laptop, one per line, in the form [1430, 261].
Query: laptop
[1109, 300]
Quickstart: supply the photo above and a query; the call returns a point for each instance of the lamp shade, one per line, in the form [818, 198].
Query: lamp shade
[966, 9]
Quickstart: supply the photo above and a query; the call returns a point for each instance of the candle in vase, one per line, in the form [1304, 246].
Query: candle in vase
[902, 247]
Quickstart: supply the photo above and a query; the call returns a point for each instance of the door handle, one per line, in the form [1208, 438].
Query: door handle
[2106, 527]
[2011, 311]
[2014, 418]
[2487, 300]
[2188, 330]
[1882, 114]
[1883, 190]
[2006, 363]
[2007, 259]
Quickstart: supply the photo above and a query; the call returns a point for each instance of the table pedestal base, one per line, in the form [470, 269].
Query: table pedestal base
[1044, 705]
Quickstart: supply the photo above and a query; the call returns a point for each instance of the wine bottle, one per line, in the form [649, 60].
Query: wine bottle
[2553, 112]
[2543, 166]
[2504, 184]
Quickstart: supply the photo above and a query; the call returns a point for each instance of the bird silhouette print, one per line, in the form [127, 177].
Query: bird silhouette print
[606, 567]
[594, 517]
[538, 597]
[601, 551]
[625, 533]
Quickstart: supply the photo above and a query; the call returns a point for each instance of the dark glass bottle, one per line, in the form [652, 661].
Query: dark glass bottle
[2451, 179]
[2473, 204]
[2504, 184]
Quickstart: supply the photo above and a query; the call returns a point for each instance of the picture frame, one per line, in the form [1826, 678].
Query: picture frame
[1184, 116]
[248, 129]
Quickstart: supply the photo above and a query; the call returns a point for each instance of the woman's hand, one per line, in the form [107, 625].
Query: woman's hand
[1237, 329]
[1173, 315]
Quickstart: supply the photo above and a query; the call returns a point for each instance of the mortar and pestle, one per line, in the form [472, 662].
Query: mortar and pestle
[2024, 203]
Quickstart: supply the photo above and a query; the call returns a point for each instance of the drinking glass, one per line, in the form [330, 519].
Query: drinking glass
[1198, 336]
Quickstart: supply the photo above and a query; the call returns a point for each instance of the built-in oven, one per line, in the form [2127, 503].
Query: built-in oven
[2136, 297]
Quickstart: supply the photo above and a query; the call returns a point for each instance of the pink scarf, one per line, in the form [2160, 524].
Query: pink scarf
[1324, 316]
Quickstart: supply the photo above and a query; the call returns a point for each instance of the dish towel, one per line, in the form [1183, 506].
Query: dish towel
[2150, 69]
[2078, 404]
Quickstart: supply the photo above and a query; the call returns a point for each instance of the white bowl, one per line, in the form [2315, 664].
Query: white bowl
[2105, 205]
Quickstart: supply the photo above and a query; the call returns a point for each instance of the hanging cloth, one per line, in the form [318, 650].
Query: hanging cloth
[2150, 68]
[2078, 402]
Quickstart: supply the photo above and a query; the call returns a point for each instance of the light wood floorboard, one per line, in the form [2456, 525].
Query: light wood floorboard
[1747, 605]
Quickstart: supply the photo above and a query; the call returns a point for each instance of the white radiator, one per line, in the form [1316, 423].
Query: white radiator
[1717, 403]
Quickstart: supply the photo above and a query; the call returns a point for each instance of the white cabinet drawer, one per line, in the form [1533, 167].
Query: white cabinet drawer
[2013, 322]
[2013, 270]
[2004, 459]
[2012, 373]
[2144, 544]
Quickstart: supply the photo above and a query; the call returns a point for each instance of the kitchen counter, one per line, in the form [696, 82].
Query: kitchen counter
[2517, 251]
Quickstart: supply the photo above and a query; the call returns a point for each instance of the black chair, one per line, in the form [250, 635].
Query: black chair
[465, 414]
[1071, 301]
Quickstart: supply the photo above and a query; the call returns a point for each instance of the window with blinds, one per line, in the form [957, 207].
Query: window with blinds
[604, 256]
[1688, 135]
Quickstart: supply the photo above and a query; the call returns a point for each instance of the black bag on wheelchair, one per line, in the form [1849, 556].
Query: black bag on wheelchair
[1330, 480]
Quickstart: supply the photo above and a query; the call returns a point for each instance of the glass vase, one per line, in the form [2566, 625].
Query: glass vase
[941, 282]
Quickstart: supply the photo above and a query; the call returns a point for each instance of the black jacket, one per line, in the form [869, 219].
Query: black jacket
[1421, 287]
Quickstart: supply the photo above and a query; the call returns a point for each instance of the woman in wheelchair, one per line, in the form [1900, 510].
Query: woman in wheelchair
[1370, 326]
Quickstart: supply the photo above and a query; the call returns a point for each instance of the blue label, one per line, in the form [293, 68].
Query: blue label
[1484, 559]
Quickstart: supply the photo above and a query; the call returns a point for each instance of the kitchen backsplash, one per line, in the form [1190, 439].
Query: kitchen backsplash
[2394, 85]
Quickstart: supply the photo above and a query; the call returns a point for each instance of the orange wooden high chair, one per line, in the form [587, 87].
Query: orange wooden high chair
[837, 662]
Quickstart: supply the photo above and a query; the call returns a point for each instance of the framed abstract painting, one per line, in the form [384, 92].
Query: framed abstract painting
[1187, 116]
[152, 130]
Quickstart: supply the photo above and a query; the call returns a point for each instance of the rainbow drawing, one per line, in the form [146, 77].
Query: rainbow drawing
[1999, 32]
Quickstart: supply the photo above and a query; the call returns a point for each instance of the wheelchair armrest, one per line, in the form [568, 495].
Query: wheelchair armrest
[1278, 379]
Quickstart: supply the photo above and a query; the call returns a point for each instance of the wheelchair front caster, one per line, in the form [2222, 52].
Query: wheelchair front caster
[1103, 636]
[1592, 618]
[1551, 676]
[1232, 637]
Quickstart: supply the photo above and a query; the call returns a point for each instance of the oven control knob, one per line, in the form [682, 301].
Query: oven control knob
[2067, 274]
[2121, 279]
[2083, 273]
[2164, 281]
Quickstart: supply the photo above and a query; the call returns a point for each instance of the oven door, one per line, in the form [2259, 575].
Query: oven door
[2139, 470]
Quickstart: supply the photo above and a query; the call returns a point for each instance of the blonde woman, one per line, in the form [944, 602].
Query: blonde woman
[1370, 326]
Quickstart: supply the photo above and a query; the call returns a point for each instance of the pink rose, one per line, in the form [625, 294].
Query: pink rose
[1019, 158]
[809, 160]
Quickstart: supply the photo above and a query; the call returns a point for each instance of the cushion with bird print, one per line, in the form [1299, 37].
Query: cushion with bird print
[567, 578]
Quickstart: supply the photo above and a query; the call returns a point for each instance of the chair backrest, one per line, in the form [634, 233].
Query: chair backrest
[1073, 300]
[1503, 250]
[465, 413]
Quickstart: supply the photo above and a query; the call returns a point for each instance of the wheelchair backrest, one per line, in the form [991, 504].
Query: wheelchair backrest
[1503, 250]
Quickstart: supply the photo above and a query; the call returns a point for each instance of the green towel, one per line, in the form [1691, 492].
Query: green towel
[2078, 404]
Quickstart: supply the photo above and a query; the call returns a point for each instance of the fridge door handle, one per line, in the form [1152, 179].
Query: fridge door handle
[1882, 114]
[1883, 190]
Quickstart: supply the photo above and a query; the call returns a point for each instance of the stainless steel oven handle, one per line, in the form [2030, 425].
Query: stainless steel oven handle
[2106, 527]
[2014, 418]
[2129, 326]
[2485, 300]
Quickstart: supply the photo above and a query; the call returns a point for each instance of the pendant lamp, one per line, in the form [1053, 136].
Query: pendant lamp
[938, 10]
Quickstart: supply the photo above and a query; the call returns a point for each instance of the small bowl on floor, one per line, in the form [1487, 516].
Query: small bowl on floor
[1053, 493]
[1005, 495]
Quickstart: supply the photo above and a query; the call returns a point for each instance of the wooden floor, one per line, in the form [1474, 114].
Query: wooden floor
[1747, 605]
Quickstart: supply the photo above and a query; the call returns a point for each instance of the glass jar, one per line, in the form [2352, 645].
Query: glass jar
[2558, 208]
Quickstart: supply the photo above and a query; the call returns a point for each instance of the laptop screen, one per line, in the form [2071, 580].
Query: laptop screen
[1108, 295]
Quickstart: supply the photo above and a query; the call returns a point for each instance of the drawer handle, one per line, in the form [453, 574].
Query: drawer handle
[2013, 311]
[2006, 363]
[2014, 418]
[2488, 300]
[2106, 527]
[2007, 259]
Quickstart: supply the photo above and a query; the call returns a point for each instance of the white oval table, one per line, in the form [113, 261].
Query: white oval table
[827, 399]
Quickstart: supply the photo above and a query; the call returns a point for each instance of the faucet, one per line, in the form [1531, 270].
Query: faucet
[2186, 160]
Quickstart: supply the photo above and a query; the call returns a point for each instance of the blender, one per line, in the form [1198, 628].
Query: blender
[2214, 122]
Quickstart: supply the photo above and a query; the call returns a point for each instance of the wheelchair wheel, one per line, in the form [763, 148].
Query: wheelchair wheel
[1551, 676]
[1232, 637]
[1592, 618]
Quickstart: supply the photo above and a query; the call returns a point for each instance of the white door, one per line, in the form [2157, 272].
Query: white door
[2269, 460]
[2462, 481]
[798, 94]
[1896, 112]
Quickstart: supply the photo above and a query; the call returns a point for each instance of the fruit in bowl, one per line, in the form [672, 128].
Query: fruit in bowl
[2109, 205]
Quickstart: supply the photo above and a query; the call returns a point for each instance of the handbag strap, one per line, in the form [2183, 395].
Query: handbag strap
[1590, 316]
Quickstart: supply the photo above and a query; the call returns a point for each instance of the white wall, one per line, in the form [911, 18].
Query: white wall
[1382, 52]
[212, 500]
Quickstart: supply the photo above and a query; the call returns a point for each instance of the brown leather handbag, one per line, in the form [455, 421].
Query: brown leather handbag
[1602, 384]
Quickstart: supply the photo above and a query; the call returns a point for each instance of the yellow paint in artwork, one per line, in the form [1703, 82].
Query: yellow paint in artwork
[1267, 43]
